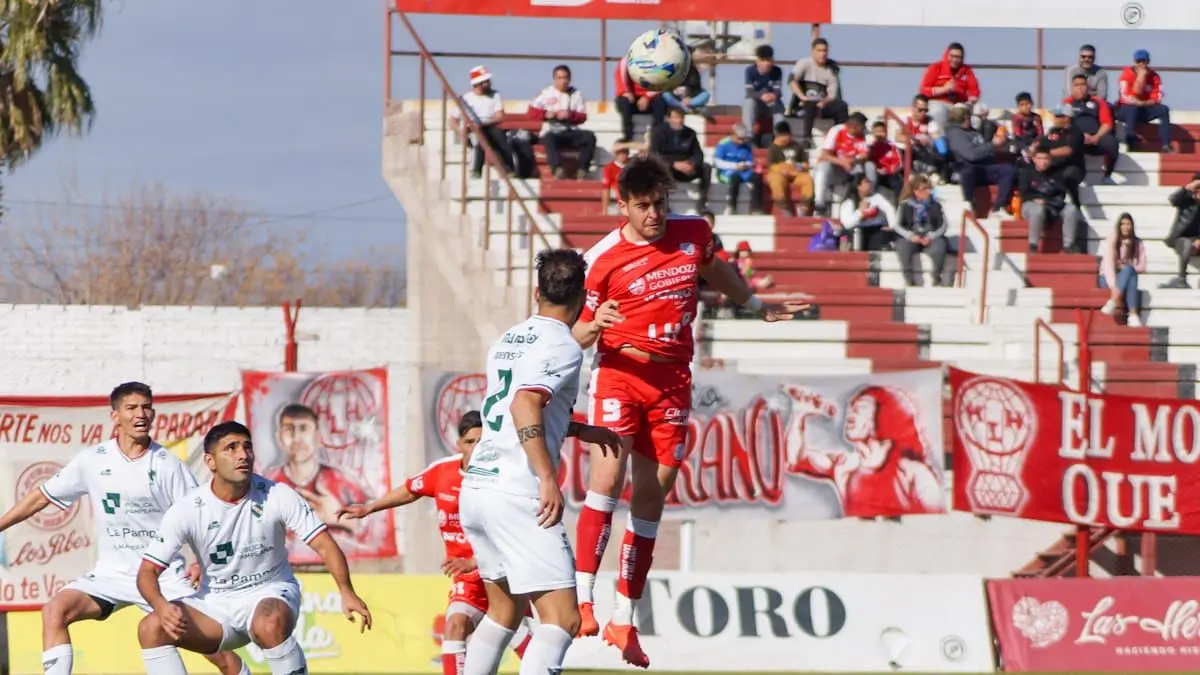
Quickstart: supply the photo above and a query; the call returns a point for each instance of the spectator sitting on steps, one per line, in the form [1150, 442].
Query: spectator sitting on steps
[1043, 199]
[816, 91]
[844, 154]
[1097, 77]
[1184, 236]
[926, 159]
[949, 82]
[620, 152]
[734, 160]
[743, 260]
[486, 108]
[1090, 114]
[764, 89]
[1141, 101]
[888, 161]
[975, 157]
[787, 169]
[1122, 259]
[563, 111]
[677, 144]
[690, 96]
[868, 216]
[920, 228]
[1065, 142]
[632, 100]
[1026, 128]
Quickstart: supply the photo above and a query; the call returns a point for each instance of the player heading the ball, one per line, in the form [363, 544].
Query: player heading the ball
[511, 504]
[642, 298]
[238, 526]
[131, 482]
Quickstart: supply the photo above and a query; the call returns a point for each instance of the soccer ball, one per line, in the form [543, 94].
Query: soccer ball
[658, 60]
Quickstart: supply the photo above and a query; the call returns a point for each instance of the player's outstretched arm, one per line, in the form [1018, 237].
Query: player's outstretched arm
[25, 509]
[335, 563]
[400, 496]
[729, 283]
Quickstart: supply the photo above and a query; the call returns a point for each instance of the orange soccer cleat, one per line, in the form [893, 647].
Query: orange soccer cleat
[625, 638]
[587, 620]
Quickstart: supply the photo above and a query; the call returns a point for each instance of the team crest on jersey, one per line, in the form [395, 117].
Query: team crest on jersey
[256, 509]
[638, 286]
[687, 248]
[418, 483]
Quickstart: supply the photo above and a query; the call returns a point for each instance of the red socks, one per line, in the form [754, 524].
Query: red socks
[591, 538]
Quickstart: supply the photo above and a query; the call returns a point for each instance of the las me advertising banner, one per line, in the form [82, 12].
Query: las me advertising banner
[1044, 452]
[38, 436]
[778, 447]
[1123, 624]
[406, 638]
[802, 622]
[326, 434]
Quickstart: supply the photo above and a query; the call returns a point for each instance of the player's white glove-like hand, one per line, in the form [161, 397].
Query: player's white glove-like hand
[550, 504]
[785, 310]
[607, 315]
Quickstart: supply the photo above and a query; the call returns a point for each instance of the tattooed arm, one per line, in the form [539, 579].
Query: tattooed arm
[526, 411]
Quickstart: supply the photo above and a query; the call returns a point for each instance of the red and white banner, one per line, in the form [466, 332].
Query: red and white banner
[38, 435]
[792, 448]
[1043, 452]
[326, 434]
[1123, 624]
[780, 11]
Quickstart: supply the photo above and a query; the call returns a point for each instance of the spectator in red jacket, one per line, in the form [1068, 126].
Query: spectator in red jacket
[1141, 101]
[1095, 121]
[889, 163]
[632, 99]
[948, 82]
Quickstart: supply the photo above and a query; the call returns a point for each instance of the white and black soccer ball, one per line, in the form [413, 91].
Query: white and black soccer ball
[658, 60]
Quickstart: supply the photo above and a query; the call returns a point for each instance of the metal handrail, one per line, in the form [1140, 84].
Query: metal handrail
[1040, 325]
[889, 115]
[492, 163]
[960, 272]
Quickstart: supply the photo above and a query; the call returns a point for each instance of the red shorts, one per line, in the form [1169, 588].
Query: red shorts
[468, 589]
[647, 400]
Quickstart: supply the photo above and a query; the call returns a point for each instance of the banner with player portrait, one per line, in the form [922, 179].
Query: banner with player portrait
[38, 436]
[326, 434]
[785, 448]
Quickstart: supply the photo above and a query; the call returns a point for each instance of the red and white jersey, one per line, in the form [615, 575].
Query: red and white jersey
[655, 284]
[442, 481]
[917, 129]
[840, 142]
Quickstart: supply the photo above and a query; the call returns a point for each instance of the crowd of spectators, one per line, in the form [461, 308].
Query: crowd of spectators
[857, 177]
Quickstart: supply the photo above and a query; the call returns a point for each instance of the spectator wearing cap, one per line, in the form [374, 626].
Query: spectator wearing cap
[787, 170]
[844, 154]
[734, 160]
[764, 89]
[949, 82]
[1065, 142]
[690, 96]
[485, 107]
[816, 90]
[1097, 77]
[678, 145]
[633, 99]
[1091, 115]
[976, 159]
[1184, 235]
[1044, 199]
[1141, 101]
[563, 111]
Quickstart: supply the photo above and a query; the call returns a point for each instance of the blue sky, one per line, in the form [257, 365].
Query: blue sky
[277, 105]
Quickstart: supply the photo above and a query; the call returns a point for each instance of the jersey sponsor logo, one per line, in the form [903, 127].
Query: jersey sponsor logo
[106, 472]
[111, 502]
[592, 301]
[638, 286]
[214, 525]
[418, 482]
[222, 554]
[507, 356]
[519, 339]
[454, 537]
[676, 416]
[640, 262]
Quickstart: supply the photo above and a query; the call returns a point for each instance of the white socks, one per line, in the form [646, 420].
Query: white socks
[286, 658]
[58, 660]
[546, 651]
[584, 583]
[486, 648]
[161, 661]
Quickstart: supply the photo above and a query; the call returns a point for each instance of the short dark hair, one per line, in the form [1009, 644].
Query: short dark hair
[1024, 96]
[470, 420]
[560, 276]
[857, 117]
[956, 45]
[878, 124]
[819, 41]
[564, 68]
[1079, 76]
[124, 389]
[643, 176]
[764, 52]
[675, 111]
[920, 98]
[218, 433]
[1041, 149]
[1088, 48]
[295, 411]
[782, 127]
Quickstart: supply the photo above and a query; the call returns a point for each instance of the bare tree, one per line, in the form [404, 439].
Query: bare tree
[154, 248]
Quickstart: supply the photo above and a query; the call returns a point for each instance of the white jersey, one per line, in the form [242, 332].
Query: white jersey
[129, 499]
[539, 354]
[241, 546]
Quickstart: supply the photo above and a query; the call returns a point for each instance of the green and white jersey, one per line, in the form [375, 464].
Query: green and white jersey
[537, 354]
[241, 546]
[129, 499]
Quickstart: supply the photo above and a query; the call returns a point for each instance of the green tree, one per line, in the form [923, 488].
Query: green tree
[41, 90]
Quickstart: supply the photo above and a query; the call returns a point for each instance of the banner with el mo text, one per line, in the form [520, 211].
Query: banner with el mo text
[787, 448]
[1044, 452]
[38, 436]
[779, 11]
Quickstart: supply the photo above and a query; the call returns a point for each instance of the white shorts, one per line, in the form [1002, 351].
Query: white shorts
[114, 591]
[509, 544]
[235, 611]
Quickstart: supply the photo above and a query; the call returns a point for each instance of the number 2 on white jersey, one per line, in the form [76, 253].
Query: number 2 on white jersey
[505, 377]
[668, 332]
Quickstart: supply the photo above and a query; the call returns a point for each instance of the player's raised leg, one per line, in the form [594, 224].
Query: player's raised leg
[161, 633]
[65, 608]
